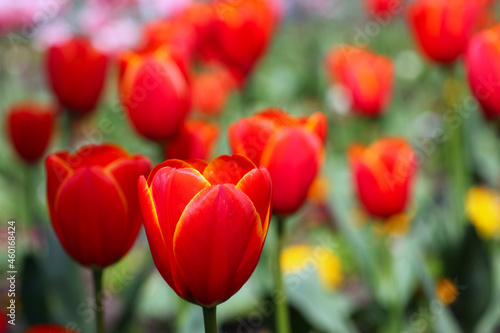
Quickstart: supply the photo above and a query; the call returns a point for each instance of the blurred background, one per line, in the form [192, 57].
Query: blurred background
[433, 268]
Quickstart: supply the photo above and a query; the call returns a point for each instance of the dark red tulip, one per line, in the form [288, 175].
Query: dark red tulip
[290, 148]
[30, 127]
[206, 224]
[442, 28]
[367, 76]
[241, 33]
[92, 198]
[155, 93]
[483, 70]
[76, 73]
[196, 139]
[49, 329]
[383, 175]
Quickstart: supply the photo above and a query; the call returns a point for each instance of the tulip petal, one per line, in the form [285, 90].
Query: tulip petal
[87, 210]
[177, 164]
[250, 136]
[227, 169]
[318, 124]
[57, 172]
[217, 243]
[172, 189]
[198, 164]
[293, 160]
[257, 186]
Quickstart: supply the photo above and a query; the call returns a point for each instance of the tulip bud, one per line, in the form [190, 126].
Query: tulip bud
[206, 224]
[76, 73]
[383, 176]
[483, 70]
[367, 76]
[93, 204]
[290, 148]
[442, 28]
[155, 93]
[196, 139]
[30, 128]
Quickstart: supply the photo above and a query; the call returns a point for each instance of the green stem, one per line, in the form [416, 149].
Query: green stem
[210, 319]
[98, 297]
[68, 136]
[30, 195]
[282, 315]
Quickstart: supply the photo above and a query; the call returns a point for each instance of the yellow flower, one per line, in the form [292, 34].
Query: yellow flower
[446, 291]
[303, 257]
[395, 225]
[483, 210]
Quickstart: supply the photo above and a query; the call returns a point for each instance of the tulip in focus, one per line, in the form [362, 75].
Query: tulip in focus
[442, 28]
[76, 73]
[206, 224]
[49, 329]
[383, 176]
[30, 127]
[290, 148]
[93, 203]
[368, 78]
[242, 31]
[155, 93]
[196, 139]
[483, 70]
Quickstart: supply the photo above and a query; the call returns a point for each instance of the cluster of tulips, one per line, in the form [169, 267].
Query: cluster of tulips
[206, 220]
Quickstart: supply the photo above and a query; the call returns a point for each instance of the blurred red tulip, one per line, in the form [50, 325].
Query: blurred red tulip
[155, 92]
[49, 329]
[206, 224]
[76, 72]
[30, 127]
[242, 31]
[211, 90]
[367, 76]
[200, 16]
[383, 175]
[290, 148]
[442, 28]
[92, 198]
[384, 8]
[483, 70]
[196, 139]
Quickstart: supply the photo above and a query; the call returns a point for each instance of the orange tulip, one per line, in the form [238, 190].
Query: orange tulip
[76, 73]
[92, 198]
[155, 92]
[242, 31]
[367, 76]
[211, 90]
[483, 70]
[49, 329]
[196, 139]
[290, 148]
[30, 128]
[383, 175]
[206, 224]
[442, 28]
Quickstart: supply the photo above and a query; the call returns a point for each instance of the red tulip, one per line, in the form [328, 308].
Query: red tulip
[383, 175]
[206, 224]
[211, 90]
[30, 128]
[242, 31]
[483, 70]
[442, 28]
[155, 93]
[49, 329]
[196, 139]
[76, 72]
[367, 76]
[92, 198]
[200, 16]
[290, 148]
[383, 8]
